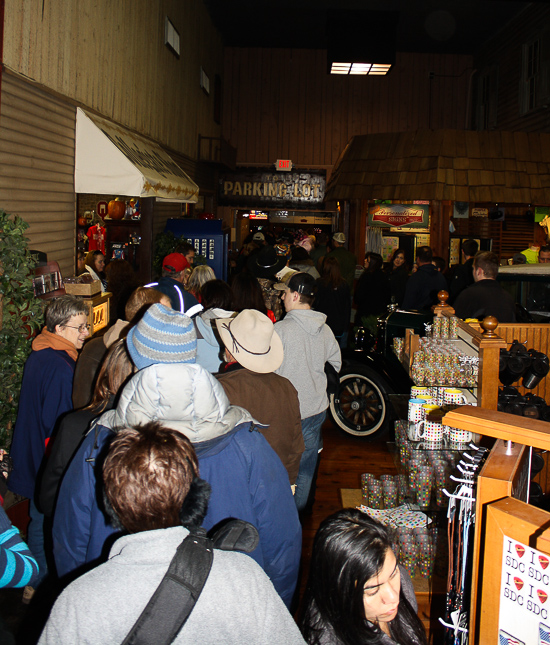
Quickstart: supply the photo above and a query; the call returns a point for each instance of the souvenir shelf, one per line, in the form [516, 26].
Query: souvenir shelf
[483, 347]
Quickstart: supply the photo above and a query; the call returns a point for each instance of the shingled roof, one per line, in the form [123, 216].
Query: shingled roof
[456, 165]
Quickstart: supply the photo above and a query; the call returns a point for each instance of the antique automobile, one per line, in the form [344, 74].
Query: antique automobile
[372, 378]
[529, 286]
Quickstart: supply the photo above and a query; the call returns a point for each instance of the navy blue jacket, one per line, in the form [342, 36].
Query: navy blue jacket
[46, 394]
[248, 481]
[181, 299]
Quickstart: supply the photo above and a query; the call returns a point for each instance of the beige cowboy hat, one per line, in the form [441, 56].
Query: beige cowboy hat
[252, 340]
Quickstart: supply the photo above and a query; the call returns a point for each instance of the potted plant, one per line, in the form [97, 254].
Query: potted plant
[21, 316]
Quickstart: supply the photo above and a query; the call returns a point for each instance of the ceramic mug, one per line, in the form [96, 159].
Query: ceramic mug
[420, 392]
[416, 411]
[429, 430]
[458, 436]
[454, 396]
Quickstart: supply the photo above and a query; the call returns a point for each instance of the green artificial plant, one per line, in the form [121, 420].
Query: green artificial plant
[21, 316]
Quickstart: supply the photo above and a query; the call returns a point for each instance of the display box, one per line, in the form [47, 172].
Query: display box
[83, 289]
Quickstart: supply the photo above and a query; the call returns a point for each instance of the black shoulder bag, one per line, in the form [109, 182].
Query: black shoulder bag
[174, 599]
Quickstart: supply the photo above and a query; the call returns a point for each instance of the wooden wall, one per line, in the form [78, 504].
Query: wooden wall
[503, 54]
[111, 57]
[282, 103]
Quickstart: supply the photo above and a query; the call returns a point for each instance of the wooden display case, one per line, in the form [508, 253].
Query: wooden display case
[499, 512]
[472, 342]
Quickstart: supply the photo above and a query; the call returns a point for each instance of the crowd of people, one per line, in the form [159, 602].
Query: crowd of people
[203, 403]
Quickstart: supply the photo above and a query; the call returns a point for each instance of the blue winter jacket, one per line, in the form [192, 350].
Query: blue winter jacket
[46, 394]
[247, 477]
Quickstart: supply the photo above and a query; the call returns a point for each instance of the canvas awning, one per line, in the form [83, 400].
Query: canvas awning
[112, 160]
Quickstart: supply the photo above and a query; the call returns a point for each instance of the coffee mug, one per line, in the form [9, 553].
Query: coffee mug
[457, 436]
[429, 430]
[416, 411]
[454, 396]
[420, 392]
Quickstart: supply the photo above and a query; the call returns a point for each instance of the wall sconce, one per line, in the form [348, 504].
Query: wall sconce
[361, 43]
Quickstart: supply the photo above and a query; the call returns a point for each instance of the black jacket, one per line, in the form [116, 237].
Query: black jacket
[486, 298]
[335, 304]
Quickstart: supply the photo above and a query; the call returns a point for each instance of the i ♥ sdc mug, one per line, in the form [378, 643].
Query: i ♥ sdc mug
[454, 396]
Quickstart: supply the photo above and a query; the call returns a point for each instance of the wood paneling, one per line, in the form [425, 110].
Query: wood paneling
[281, 103]
[37, 166]
[504, 53]
[111, 57]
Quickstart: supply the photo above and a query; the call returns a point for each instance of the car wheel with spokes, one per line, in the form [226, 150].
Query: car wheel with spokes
[360, 405]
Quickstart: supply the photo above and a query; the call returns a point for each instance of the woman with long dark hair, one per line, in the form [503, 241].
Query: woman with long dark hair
[247, 294]
[397, 271]
[372, 293]
[333, 298]
[357, 594]
[95, 266]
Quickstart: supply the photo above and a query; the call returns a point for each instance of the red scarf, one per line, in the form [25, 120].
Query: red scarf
[47, 340]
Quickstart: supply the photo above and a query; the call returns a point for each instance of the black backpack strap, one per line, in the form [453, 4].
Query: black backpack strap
[176, 595]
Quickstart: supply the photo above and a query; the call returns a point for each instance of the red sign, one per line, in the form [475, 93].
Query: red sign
[396, 215]
[283, 164]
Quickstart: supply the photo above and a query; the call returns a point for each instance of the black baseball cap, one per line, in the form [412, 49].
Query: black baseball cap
[303, 283]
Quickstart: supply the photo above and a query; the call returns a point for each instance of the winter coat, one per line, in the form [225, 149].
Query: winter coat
[422, 288]
[335, 303]
[180, 299]
[272, 400]
[308, 344]
[237, 605]
[372, 294]
[72, 430]
[45, 395]
[248, 480]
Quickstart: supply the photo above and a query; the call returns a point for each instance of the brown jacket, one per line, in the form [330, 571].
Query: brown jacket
[270, 399]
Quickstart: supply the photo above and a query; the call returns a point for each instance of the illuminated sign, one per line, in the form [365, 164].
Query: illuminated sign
[100, 316]
[397, 215]
[283, 165]
[257, 215]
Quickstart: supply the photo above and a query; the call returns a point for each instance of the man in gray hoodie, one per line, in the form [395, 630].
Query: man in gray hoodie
[308, 344]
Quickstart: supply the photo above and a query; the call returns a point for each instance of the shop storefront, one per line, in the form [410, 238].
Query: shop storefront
[266, 200]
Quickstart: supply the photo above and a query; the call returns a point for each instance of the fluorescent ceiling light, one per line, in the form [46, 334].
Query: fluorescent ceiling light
[360, 69]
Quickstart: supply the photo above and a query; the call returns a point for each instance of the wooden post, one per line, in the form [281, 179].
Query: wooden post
[439, 228]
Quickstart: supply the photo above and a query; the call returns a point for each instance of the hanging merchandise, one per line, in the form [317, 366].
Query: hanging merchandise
[461, 516]
[374, 240]
[96, 238]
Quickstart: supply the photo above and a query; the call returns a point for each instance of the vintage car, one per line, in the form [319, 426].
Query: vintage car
[371, 376]
[529, 285]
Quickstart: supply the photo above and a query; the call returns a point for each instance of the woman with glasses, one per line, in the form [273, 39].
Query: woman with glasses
[46, 394]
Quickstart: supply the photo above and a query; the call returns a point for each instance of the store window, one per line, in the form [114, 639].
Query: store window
[535, 78]
[487, 101]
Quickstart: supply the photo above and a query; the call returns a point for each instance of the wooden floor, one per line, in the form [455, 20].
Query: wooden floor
[343, 459]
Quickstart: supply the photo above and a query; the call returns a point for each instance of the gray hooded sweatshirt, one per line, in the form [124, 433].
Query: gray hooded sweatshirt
[308, 344]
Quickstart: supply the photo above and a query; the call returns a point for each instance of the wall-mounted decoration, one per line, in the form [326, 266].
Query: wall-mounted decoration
[461, 210]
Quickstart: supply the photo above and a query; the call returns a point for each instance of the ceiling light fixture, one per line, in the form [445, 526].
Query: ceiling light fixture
[361, 43]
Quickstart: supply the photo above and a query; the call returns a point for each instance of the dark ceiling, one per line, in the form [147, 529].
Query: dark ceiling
[445, 26]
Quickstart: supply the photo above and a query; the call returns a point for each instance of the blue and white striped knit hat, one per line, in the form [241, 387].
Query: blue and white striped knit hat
[162, 336]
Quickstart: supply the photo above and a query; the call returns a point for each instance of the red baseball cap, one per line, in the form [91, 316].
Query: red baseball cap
[175, 263]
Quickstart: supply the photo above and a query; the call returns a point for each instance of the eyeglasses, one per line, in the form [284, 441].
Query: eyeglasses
[81, 328]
